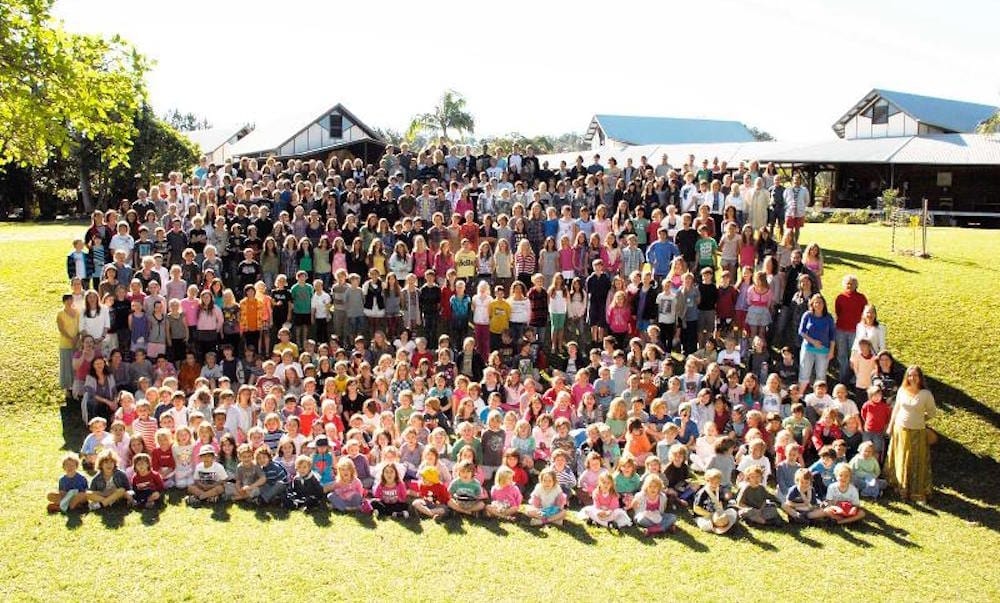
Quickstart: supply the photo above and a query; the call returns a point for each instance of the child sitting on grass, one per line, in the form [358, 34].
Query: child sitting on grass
[505, 497]
[650, 506]
[346, 492]
[147, 485]
[547, 501]
[209, 479]
[72, 490]
[606, 509]
[754, 502]
[389, 496]
[465, 491]
[304, 490]
[843, 500]
[110, 485]
[867, 471]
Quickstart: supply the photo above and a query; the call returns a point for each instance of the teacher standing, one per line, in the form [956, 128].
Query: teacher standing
[908, 465]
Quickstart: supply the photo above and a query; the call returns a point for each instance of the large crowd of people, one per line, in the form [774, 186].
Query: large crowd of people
[483, 334]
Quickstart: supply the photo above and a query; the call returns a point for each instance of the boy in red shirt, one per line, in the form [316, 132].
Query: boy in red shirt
[875, 414]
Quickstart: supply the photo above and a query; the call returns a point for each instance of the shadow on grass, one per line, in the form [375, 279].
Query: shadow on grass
[577, 531]
[687, 539]
[73, 429]
[797, 532]
[873, 523]
[494, 527]
[846, 532]
[747, 533]
[834, 257]
[947, 397]
[975, 477]
[114, 517]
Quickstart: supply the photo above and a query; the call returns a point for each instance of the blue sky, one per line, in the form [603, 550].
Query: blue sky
[791, 68]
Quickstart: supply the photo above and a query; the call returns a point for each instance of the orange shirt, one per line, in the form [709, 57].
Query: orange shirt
[251, 314]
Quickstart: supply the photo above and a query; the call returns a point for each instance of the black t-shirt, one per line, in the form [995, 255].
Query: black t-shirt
[709, 296]
[281, 302]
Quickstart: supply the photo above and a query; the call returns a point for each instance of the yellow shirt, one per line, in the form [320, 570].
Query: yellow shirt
[465, 264]
[280, 348]
[67, 325]
[499, 316]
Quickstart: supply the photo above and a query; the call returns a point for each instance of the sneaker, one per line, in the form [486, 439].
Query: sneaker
[94, 505]
[64, 503]
[375, 513]
[366, 507]
[559, 522]
[536, 522]
[405, 514]
[653, 530]
[192, 501]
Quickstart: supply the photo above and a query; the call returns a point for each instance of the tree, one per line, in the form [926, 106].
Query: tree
[186, 122]
[991, 125]
[449, 113]
[760, 135]
[63, 92]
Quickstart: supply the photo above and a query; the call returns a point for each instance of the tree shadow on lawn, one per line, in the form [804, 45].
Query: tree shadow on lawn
[834, 257]
[975, 477]
[947, 397]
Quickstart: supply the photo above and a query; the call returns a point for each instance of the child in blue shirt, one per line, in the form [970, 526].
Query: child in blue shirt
[71, 492]
[822, 470]
[322, 461]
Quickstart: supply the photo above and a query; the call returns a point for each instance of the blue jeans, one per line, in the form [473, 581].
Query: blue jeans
[344, 504]
[811, 363]
[666, 520]
[844, 339]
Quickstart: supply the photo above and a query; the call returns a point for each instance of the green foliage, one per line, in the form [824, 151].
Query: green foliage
[158, 149]
[449, 113]
[991, 125]
[61, 89]
[760, 135]
[840, 216]
[570, 141]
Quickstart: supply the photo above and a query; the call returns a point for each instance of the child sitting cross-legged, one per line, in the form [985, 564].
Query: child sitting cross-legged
[650, 506]
[389, 496]
[209, 479]
[606, 509]
[754, 503]
[304, 490]
[547, 501]
[505, 496]
[72, 490]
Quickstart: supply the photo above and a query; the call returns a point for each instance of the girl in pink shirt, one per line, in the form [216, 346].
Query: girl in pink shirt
[605, 511]
[505, 497]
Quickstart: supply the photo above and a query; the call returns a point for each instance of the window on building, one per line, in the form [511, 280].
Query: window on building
[336, 125]
[880, 113]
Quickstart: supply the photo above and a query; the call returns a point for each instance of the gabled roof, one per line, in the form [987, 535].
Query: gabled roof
[637, 130]
[210, 139]
[949, 115]
[272, 135]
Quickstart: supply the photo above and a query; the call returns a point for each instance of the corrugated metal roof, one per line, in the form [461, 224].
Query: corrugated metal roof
[638, 130]
[959, 116]
[947, 114]
[951, 149]
[945, 149]
[212, 138]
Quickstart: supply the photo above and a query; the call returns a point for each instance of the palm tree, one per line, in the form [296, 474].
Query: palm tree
[449, 113]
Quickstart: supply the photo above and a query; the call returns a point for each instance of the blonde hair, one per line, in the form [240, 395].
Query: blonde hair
[346, 464]
[504, 475]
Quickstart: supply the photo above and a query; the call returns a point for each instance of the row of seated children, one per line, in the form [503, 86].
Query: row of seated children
[605, 497]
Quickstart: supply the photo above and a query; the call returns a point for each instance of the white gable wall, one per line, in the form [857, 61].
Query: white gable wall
[900, 124]
[317, 136]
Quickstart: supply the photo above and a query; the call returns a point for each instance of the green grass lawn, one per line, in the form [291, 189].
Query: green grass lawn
[941, 313]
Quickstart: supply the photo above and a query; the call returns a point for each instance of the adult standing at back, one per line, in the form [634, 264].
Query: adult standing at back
[661, 253]
[818, 342]
[848, 306]
[796, 202]
[908, 464]
[776, 208]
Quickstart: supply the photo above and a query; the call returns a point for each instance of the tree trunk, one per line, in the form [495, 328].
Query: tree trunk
[85, 193]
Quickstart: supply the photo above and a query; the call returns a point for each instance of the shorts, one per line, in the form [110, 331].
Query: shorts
[758, 316]
[558, 321]
[301, 320]
[794, 222]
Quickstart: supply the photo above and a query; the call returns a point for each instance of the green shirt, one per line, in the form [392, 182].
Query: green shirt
[640, 225]
[705, 248]
[477, 448]
[465, 490]
[302, 298]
